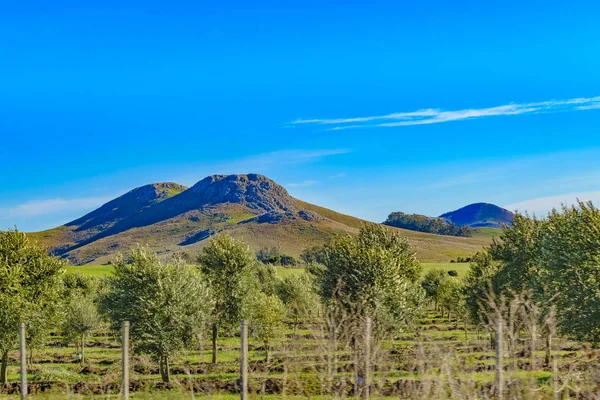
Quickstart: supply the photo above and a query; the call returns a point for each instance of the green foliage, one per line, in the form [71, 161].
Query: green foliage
[313, 255]
[371, 274]
[230, 268]
[166, 304]
[556, 259]
[274, 256]
[263, 279]
[80, 321]
[478, 283]
[518, 251]
[431, 283]
[569, 252]
[266, 314]
[30, 288]
[421, 223]
[451, 297]
[298, 294]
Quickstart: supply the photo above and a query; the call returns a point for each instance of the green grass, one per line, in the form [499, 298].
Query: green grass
[461, 268]
[92, 270]
[107, 270]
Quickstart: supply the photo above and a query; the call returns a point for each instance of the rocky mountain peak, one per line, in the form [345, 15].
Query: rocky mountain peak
[253, 190]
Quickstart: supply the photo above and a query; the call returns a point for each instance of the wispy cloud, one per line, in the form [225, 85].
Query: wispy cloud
[436, 116]
[542, 205]
[51, 206]
[338, 176]
[302, 184]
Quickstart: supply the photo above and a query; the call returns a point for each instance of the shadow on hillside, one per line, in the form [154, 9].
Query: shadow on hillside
[198, 237]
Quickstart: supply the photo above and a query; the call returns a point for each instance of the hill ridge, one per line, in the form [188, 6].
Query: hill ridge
[477, 215]
[169, 218]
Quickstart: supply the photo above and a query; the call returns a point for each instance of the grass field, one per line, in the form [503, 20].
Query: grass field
[107, 270]
[460, 268]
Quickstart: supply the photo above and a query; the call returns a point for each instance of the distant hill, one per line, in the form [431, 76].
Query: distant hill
[422, 223]
[169, 217]
[480, 215]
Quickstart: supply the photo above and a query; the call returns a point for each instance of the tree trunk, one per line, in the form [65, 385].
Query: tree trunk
[82, 350]
[214, 343]
[267, 354]
[548, 349]
[163, 366]
[3, 368]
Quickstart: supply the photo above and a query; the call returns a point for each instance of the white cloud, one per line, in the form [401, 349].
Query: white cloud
[338, 176]
[302, 184]
[436, 116]
[542, 205]
[51, 206]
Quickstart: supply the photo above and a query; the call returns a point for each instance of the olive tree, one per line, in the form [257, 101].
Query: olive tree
[80, 321]
[231, 269]
[297, 292]
[166, 304]
[432, 282]
[570, 257]
[372, 274]
[30, 283]
[266, 314]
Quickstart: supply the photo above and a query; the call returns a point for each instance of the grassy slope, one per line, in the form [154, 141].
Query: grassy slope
[429, 247]
[291, 236]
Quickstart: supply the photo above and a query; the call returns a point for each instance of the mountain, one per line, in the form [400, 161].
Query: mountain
[169, 217]
[480, 215]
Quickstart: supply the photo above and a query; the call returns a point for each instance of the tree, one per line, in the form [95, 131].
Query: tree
[29, 290]
[372, 274]
[451, 297]
[298, 294]
[166, 304]
[478, 283]
[518, 251]
[431, 283]
[570, 257]
[80, 315]
[81, 319]
[313, 255]
[266, 313]
[230, 267]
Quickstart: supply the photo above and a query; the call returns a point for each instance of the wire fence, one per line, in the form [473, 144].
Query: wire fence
[513, 356]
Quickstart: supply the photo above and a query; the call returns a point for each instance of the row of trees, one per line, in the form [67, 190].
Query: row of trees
[555, 259]
[171, 305]
[422, 223]
[552, 262]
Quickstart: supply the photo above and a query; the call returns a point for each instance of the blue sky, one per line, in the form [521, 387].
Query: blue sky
[364, 108]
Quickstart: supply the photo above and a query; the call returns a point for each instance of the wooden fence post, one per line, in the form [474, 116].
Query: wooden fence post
[244, 361]
[125, 361]
[23, 359]
[499, 356]
[367, 359]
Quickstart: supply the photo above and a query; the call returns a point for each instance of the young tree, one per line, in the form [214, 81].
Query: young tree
[81, 320]
[29, 289]
[266, 314]
[298, 294]
[230, 268]
[478, 283]
[371, 274]
[431, 283]
[166, 304]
